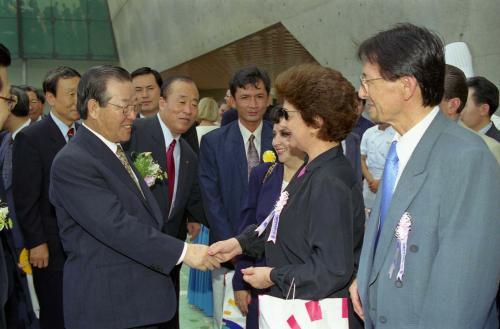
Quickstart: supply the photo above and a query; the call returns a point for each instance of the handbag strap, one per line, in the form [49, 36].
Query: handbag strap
[292, 284]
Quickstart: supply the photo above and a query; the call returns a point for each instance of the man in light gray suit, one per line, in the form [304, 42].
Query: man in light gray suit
[430, 252]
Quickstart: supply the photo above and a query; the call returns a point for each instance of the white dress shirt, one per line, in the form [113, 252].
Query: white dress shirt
[409, 141]
[113, 147]
[245, 133]
[62, 126]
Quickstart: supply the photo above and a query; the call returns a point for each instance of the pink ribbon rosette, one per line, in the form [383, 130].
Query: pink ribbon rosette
[401, 233]
[274, 216]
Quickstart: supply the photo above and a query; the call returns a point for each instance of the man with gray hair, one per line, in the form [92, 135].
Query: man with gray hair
[117, 271]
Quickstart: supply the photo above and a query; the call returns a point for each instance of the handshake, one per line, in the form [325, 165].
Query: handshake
[205, 258]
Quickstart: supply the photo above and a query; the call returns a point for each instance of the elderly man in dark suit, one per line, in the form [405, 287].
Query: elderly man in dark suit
[160, 135]
[430, 251]
[117, 271]
[34, 150]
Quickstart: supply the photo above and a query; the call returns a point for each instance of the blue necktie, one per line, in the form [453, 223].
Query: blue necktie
[388, 182]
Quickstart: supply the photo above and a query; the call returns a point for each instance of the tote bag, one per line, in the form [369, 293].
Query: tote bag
[278, 313]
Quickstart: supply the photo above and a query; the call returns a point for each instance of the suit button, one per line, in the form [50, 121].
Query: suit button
[413, 248]
[382, 319]
[398, 283]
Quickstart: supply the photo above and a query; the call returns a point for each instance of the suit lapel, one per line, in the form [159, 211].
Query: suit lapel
[408, 186]
[237, 152]
[266, 139]
[184, 169]
[58, 140]
[111, 161]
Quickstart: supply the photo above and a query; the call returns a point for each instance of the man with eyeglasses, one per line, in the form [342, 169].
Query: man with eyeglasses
[36, 104]
[119, 260]
[430, 251]
[34, 150]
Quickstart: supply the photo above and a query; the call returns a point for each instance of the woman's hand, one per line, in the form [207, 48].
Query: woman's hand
[258, 277]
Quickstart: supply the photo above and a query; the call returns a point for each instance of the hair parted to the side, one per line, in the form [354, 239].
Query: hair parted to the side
[485, 92]
[54, 75]
[92, 85]
[409, 50]
[455, 86]
[318, 91]
[147, 70]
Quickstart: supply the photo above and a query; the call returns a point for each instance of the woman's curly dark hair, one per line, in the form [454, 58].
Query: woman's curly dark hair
[318, 91]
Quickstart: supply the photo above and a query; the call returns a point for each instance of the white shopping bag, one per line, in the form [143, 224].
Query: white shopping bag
[231, 315]
[328, 313]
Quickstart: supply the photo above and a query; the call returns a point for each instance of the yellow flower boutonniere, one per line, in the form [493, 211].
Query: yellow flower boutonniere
[269, 156]
[24, 261]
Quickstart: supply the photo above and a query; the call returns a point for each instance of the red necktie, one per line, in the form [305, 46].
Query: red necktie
[171, 172]
[71, 133]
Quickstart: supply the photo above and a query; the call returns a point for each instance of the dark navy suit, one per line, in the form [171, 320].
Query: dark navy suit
[224, 177]
[264, 188]
[20, 311]
[116, 273]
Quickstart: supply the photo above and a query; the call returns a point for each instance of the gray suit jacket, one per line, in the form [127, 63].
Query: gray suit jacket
[116, 273]
[450, 187]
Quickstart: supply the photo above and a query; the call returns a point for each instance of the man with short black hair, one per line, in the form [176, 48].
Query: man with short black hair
[34, 150]
[482, 102]
[117, 271]
[428, 238]
[36, 104]
[227, 155]
[147, 83]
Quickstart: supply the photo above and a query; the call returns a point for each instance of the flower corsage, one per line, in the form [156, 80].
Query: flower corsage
[149, 169]
[5, 221]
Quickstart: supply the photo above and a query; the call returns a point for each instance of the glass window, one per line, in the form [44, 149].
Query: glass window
[38, 38]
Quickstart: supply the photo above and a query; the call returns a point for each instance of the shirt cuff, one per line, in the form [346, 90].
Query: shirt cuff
[184, 250]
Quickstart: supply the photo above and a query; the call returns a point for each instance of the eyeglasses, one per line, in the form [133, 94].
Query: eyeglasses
[11, 101]
[283, 112]
[127, 109]
[364, 81]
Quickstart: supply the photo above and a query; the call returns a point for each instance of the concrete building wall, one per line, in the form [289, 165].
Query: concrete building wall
[165, 33]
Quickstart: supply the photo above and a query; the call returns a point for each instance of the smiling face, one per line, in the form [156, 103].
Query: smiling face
[180, 107]
[109, 120]
[63, 103]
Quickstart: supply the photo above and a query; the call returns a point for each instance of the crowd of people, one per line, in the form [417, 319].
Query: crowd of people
[395, 212]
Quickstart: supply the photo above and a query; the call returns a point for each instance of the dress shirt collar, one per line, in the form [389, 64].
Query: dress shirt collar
[167, 134]
[246, 133]
[485, 129]
[409, 141]
[112, 146]
[24, 125]
[62, 126]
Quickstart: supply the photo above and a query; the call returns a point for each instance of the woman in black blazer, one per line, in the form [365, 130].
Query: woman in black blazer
[320, 228]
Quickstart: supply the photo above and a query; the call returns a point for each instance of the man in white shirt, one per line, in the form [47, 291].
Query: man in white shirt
[433, 230]
[117, 271]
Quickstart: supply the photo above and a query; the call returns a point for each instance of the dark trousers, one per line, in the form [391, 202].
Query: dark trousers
[175, 274]
[48, 286]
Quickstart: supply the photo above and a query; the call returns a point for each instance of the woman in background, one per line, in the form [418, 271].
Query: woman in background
[315, 241]
[200, 283]
[208, 115]
[265, 185]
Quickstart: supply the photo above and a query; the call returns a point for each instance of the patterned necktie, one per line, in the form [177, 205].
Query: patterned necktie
[70, 133]
[123, 159]
[7, 163]
[388, 182]
[252, 154]
[171, 172]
